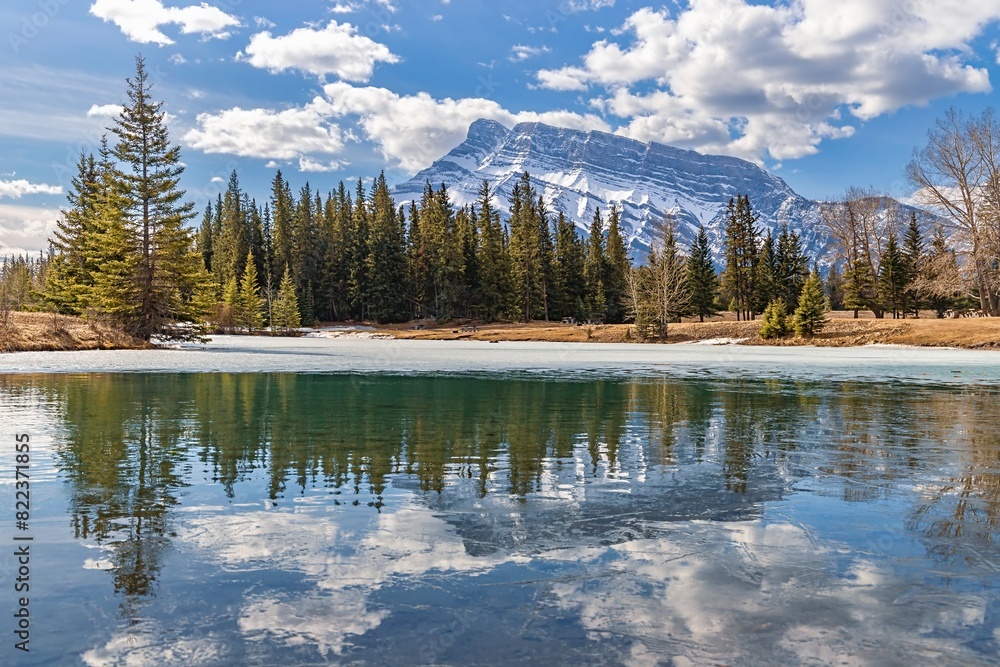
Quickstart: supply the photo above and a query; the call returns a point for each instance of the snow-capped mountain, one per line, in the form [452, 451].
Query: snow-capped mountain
[580, 171]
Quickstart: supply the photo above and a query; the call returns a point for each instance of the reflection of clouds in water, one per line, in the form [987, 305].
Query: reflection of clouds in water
[759, 593]
[148, 645]
[323, 620]
[347, 564]
[698, 592]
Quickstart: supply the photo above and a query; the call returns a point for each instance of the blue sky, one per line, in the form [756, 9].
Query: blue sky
[825, 94]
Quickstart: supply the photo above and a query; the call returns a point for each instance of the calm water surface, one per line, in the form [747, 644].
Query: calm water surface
[306, 519]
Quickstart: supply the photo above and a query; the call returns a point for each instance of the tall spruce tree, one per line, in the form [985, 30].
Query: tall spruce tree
[249, 311]
[386, 260]
[741, 241]
[892, 279]
[702, 282]
[167, 274]
[70, 278]
[617, 268]
[913, 266]
[594, 268]
[494, 278]
[569, 263]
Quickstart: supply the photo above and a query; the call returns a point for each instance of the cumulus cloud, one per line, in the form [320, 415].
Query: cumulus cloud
[19, 188]
[337, 49]
[25, 230]
[411, 131]
[266, 133]
[414, 130]
[104, 110]
[140, 20]
[752, 80]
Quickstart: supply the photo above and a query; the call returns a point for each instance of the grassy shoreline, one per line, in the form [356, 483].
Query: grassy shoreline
[31, 332]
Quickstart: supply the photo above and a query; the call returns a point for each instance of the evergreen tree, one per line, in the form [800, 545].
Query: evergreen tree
[285, 315]
[283, 212]
[386, 260]
[569, 270]
[768, 284]
[494, 282]
[810, 316]
[525, 250]
[741, 241]
[617, 267]
[230, 305]
[167, 272]
[913, 266]
[71, 277]
[231, 245]
[702, 282]
[892, 279]
[205, 239]
[249, 310]
[774, 323]
[834, 288]
[594, 268]
[859, 287]
[792, 267]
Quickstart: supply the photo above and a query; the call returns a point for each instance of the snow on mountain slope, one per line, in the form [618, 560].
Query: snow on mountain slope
[580, 171]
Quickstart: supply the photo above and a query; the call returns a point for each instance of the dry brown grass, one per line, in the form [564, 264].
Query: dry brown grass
[42, 332]
[841, 331]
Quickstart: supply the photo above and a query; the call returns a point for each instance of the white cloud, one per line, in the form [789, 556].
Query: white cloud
[177, 59]
[140, 20]
[411, 131]
[343, 8]
[520, 52]
[19, 188]
[751, 80]
[25, 230]
[104, 110]
[265, 133]
[336, 49]
[308, 164]
[415, 130]
[262, 22]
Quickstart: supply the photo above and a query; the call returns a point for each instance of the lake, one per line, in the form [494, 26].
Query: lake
[430, 503]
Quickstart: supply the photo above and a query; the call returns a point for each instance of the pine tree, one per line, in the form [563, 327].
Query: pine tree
[859, 287]
[617, 267]
[167, 272]
[792, 267]
[386, 260]
[230, 305]
[594, 268]
[494, 281]
[810, 316]
[569, 268]
[249, 303]
[71, 277]
[767, 275]
[913, 266]
[283, 212]
[285, 315]
[834, 288]
[741, 241]
[774, 323]
[892, 279]
[702, 282]
[526, 262]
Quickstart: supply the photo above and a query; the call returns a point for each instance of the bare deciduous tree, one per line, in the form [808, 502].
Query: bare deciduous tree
[954, 175]
[862, 222]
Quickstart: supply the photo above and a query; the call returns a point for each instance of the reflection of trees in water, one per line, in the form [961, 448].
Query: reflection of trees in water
[959, 519]
[132, 440]
[124, 444]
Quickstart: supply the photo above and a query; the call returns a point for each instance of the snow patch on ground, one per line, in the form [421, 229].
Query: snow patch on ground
[720, 341]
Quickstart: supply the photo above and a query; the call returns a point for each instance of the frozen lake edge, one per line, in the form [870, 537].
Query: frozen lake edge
[258, 354]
